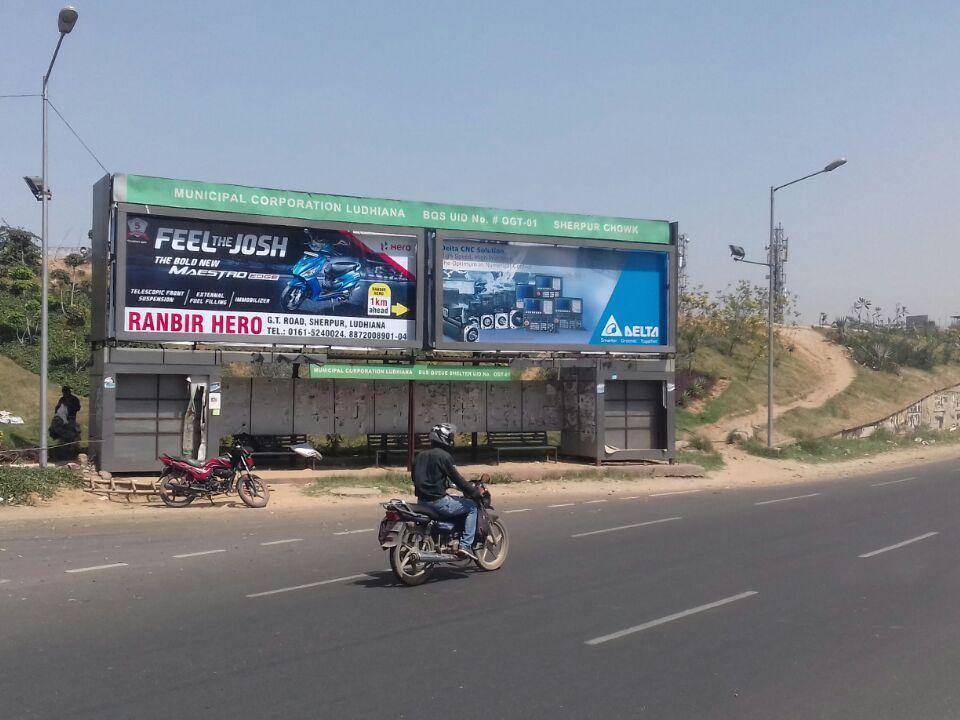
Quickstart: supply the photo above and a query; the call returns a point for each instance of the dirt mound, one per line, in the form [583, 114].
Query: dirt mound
[834, 371]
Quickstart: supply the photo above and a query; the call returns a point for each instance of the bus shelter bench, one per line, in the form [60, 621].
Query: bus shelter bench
[394, 443]
[520, 442]
[280, 446]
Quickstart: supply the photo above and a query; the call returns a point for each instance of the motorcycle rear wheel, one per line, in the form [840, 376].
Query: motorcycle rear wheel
[407, 572]
[169, 494]
[494, 551]
[253, 491]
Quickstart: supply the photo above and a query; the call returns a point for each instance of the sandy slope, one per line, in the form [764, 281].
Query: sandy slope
[834, 371]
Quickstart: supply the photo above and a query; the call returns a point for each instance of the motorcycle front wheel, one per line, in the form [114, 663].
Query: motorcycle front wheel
[171, 488]
[494, 551]
[292, 296]
[404, 567]
[253, 491]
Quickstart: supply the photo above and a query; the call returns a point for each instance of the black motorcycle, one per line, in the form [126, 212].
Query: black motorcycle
[418, 538]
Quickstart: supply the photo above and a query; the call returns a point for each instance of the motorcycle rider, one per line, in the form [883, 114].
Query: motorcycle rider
[433, 472]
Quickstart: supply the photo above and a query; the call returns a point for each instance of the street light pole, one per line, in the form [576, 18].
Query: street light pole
[772, 269]
[772, 264]
[65, 21]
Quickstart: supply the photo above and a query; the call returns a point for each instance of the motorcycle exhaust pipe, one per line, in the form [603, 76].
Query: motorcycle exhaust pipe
[431, 557]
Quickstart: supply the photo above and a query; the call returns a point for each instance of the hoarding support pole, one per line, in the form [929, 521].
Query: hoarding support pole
[473, 435]
[411, 425]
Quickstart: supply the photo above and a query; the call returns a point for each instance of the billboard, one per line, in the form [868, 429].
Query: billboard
[513, 295]
[190, 279]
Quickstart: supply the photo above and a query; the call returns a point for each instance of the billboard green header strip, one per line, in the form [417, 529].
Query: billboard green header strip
[339, 208]
[454, 373]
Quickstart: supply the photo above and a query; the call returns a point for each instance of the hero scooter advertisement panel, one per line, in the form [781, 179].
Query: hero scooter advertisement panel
[517, 295]
[193, 279]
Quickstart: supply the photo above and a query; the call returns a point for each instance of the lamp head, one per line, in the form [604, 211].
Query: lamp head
[835, 164]
[67, 19]
[737, 252]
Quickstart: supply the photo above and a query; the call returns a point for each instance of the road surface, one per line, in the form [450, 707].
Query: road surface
[828, 600]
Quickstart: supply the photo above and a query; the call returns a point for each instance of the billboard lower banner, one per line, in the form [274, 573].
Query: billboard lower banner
[537, 296]
[193, 280]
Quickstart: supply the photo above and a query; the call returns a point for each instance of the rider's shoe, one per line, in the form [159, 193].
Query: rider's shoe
[465, 553]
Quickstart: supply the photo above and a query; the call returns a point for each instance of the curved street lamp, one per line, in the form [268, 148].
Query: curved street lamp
[773, 262]
[66, 21]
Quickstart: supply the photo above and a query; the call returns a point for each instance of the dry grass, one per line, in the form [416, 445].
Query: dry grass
[20, 394]
[871, 396]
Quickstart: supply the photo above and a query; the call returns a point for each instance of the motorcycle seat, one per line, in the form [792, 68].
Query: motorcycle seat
[188, 461]
[425, 510]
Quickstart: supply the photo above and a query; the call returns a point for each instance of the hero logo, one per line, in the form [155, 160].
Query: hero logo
[612, 329]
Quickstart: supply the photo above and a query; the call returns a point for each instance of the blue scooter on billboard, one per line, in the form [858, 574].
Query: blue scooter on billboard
[326, 273]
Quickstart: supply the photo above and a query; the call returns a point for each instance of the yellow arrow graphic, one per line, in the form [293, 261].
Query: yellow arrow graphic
[399, 309]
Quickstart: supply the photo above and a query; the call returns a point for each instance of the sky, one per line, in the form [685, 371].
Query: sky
[671, 110]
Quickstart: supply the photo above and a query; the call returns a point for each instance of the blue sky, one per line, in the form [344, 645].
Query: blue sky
[686, 111]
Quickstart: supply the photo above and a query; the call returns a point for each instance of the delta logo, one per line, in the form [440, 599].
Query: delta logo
[613, 329]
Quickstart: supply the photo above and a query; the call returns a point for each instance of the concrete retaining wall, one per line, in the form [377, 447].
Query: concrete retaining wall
[937, 411]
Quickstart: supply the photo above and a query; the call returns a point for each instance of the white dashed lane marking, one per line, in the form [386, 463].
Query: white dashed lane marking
[284, 542]
[353, 532]
[198, 554]
[669, 618]
[308, 585]
[786, 499]
[626, 527]
[96, 567]
[892, 482]
[888, 548]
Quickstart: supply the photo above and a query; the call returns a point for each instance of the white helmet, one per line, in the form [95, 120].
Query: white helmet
[442, 434]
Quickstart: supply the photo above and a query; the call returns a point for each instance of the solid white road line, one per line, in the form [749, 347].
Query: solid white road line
[780, 500]
[308, 585]
[675, 492]
[283, 542]
[96, 567]
[899, 545]
[669, 618]
[562, 505]
[198, 554]
[593, 502]
[507, 512]
[353, 532]
[892, 482]
[626, 527]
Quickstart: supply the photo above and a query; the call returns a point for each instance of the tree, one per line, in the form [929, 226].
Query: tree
[22, 281]
[19, 247]
[697, 322]
[74, 261]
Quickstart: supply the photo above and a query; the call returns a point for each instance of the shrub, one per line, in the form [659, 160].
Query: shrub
[811, 444]
[699, 442]
[18, 482]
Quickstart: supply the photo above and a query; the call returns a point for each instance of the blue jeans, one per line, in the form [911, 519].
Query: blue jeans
[451, 507]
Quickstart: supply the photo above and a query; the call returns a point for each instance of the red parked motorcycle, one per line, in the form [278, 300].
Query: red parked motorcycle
[183, 480]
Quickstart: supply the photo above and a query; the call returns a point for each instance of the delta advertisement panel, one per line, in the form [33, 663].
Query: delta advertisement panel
[543, 296]
[195, 279]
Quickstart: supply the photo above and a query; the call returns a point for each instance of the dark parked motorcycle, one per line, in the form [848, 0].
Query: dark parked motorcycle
[183, 480]
[419, 539]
